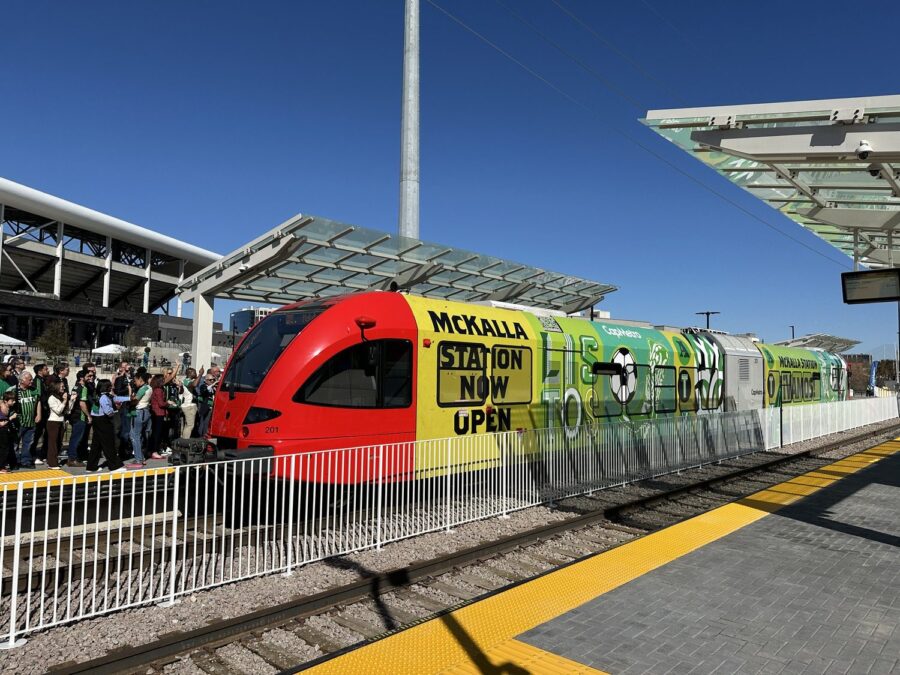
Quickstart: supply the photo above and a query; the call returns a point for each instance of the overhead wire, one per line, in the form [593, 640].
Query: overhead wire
[622, 133]
[671, 24]
[616, 50]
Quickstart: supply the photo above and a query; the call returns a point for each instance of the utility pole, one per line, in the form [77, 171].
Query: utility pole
[409, 126]
[792, 331]
[707, 316]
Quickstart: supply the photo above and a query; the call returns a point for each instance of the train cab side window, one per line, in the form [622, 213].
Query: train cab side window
[373, 374]
[396, 380]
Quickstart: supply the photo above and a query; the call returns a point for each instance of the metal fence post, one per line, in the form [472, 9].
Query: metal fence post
[504, 478]
[172, 600]
[379, 495]
[448, 528]
[12, 643]
[289, 543]
[781, 425]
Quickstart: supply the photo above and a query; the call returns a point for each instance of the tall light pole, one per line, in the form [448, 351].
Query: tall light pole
[409, 126]
[707, 316]
[792, 331]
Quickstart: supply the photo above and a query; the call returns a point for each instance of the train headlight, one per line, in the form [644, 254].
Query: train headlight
[257, 415]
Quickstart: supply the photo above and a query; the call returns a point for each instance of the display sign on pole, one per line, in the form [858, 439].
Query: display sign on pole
[872, 286]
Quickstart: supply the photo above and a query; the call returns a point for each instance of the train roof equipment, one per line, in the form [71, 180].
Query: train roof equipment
[828, 343]
[312, 257]
[832, 166]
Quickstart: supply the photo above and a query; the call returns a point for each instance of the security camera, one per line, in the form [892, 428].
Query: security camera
[863, 150]
[875, 170]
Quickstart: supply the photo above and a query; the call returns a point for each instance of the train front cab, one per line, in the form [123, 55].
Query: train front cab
[329, 374]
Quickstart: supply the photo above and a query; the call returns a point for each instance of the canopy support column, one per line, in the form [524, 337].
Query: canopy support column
[201, 337]
[147, 282]
[57, 272]
[107, 274]
[2, 229]
[178, 303]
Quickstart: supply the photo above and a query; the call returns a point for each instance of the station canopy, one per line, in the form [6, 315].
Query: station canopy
[832, 166]
[830, 343]
[311, 257]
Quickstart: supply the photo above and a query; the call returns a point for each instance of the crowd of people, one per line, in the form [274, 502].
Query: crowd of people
[115, 423]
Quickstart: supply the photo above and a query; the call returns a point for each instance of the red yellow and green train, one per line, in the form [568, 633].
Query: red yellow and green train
[388, 368]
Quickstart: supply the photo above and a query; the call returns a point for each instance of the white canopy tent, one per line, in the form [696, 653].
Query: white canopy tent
[109, 349]
[7, 341]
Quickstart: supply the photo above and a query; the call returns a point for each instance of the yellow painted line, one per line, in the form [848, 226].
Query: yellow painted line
[56, 477]
[480, 637]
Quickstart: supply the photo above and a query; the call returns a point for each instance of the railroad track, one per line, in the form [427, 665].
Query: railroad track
[307, 629]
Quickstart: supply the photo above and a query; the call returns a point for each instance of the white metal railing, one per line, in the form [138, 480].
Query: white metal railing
[151, 537]
[803, 422]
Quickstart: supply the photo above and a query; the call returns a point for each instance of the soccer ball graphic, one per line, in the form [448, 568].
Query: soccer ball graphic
[624, 385]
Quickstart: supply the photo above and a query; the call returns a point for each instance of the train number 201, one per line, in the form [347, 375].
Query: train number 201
[271, 430]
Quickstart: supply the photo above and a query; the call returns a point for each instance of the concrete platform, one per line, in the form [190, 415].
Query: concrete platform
[801, 577]
[41, 477]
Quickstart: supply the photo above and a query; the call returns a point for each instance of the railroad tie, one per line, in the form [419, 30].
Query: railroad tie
[317, 639]
[452, 591]
[506, 574]
[364, 628]
[528, 569]
[417, 598]
[271, 654]
[208, 663]
[475, 581]
[624, 528]
[571, 552]
[561, 559]
[598, 540]
[400, 614]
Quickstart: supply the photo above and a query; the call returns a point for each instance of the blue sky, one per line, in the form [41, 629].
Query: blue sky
[215, 121]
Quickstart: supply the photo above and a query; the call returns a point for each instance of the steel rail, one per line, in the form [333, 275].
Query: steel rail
[168, 646]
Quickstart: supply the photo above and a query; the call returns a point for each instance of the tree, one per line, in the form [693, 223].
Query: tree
[54, 342]
[132, 340]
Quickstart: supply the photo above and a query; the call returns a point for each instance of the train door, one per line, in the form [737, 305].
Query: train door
[560, 395]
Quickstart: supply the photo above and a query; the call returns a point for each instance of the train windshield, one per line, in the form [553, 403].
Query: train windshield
[263, 346]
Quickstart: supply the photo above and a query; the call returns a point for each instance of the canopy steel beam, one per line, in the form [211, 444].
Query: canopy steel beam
[799, 185]
[862, 219]
[812, 143]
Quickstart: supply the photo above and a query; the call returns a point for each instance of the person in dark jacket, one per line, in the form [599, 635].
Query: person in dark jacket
[104, 442]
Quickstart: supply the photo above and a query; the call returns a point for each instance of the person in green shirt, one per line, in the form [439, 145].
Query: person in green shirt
[4, 378]
[29, 409]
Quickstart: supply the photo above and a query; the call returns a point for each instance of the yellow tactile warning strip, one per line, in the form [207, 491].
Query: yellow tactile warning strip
[511, 657]
[30, 480]
[480, 637]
